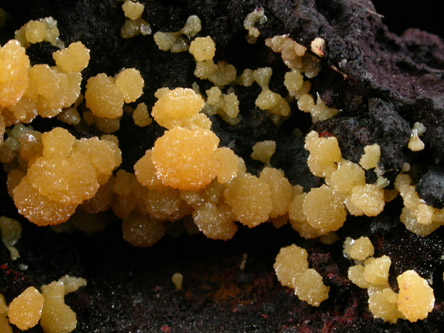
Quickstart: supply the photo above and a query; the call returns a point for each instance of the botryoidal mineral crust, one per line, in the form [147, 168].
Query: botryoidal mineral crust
[381, 84]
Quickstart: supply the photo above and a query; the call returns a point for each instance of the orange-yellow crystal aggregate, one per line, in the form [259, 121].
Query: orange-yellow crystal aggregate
[74, 58]
[140, 115]
[146, 173]
[324, 154]
[39, 90]
[56, 315]
[48, 307]
[133, 10]
[68, 172]
[185, 159]
[44, 29]
[324, 209]
[371, 156]
[130, 83]
[203, 48]
[267, 99]
[346, 177]
[226, 105]
[177, 41]
[14, 66]
[250, 199]
[178, 107]
[215, 222]
[228, 164]
[52, 89]
[376, 270]
[318, 111]
[37, 208]
[368, 198]
[359, 249]
[280, 190]
[185, 173]
[25, 310]
[382, 304]
[263, 150]
[415, 299]
[292, 270]
[103, 97]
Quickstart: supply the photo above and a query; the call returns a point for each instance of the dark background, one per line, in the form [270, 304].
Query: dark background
[401, 15]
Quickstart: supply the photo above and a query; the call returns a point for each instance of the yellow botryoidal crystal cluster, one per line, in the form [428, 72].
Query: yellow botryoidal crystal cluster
[203, 48]
[187, 158]
[26, 309]
[60, 176]
[267, 99]
[43, 30]
[413, 302]
[178, 41]
[179, 107]
[358, 249]
[318, 111]
[324, 209]
[141, 116]
[292, 270]
[47, 307]
[134, 24]
[132, 9]
[415, 298]
[417, 216]
[294, 55]
[415, 143]
[105, 96]
[27, 91]
[54, 177]
[257, 16]
[226, 105]
[263, 150]
[221, 73]
[371, 156]
[14, 65]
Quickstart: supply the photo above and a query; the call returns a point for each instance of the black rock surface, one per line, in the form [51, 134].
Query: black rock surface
[431, 187]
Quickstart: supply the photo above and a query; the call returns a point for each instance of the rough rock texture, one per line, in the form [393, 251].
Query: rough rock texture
[130, 289]
[431, 187]
[381, 82]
